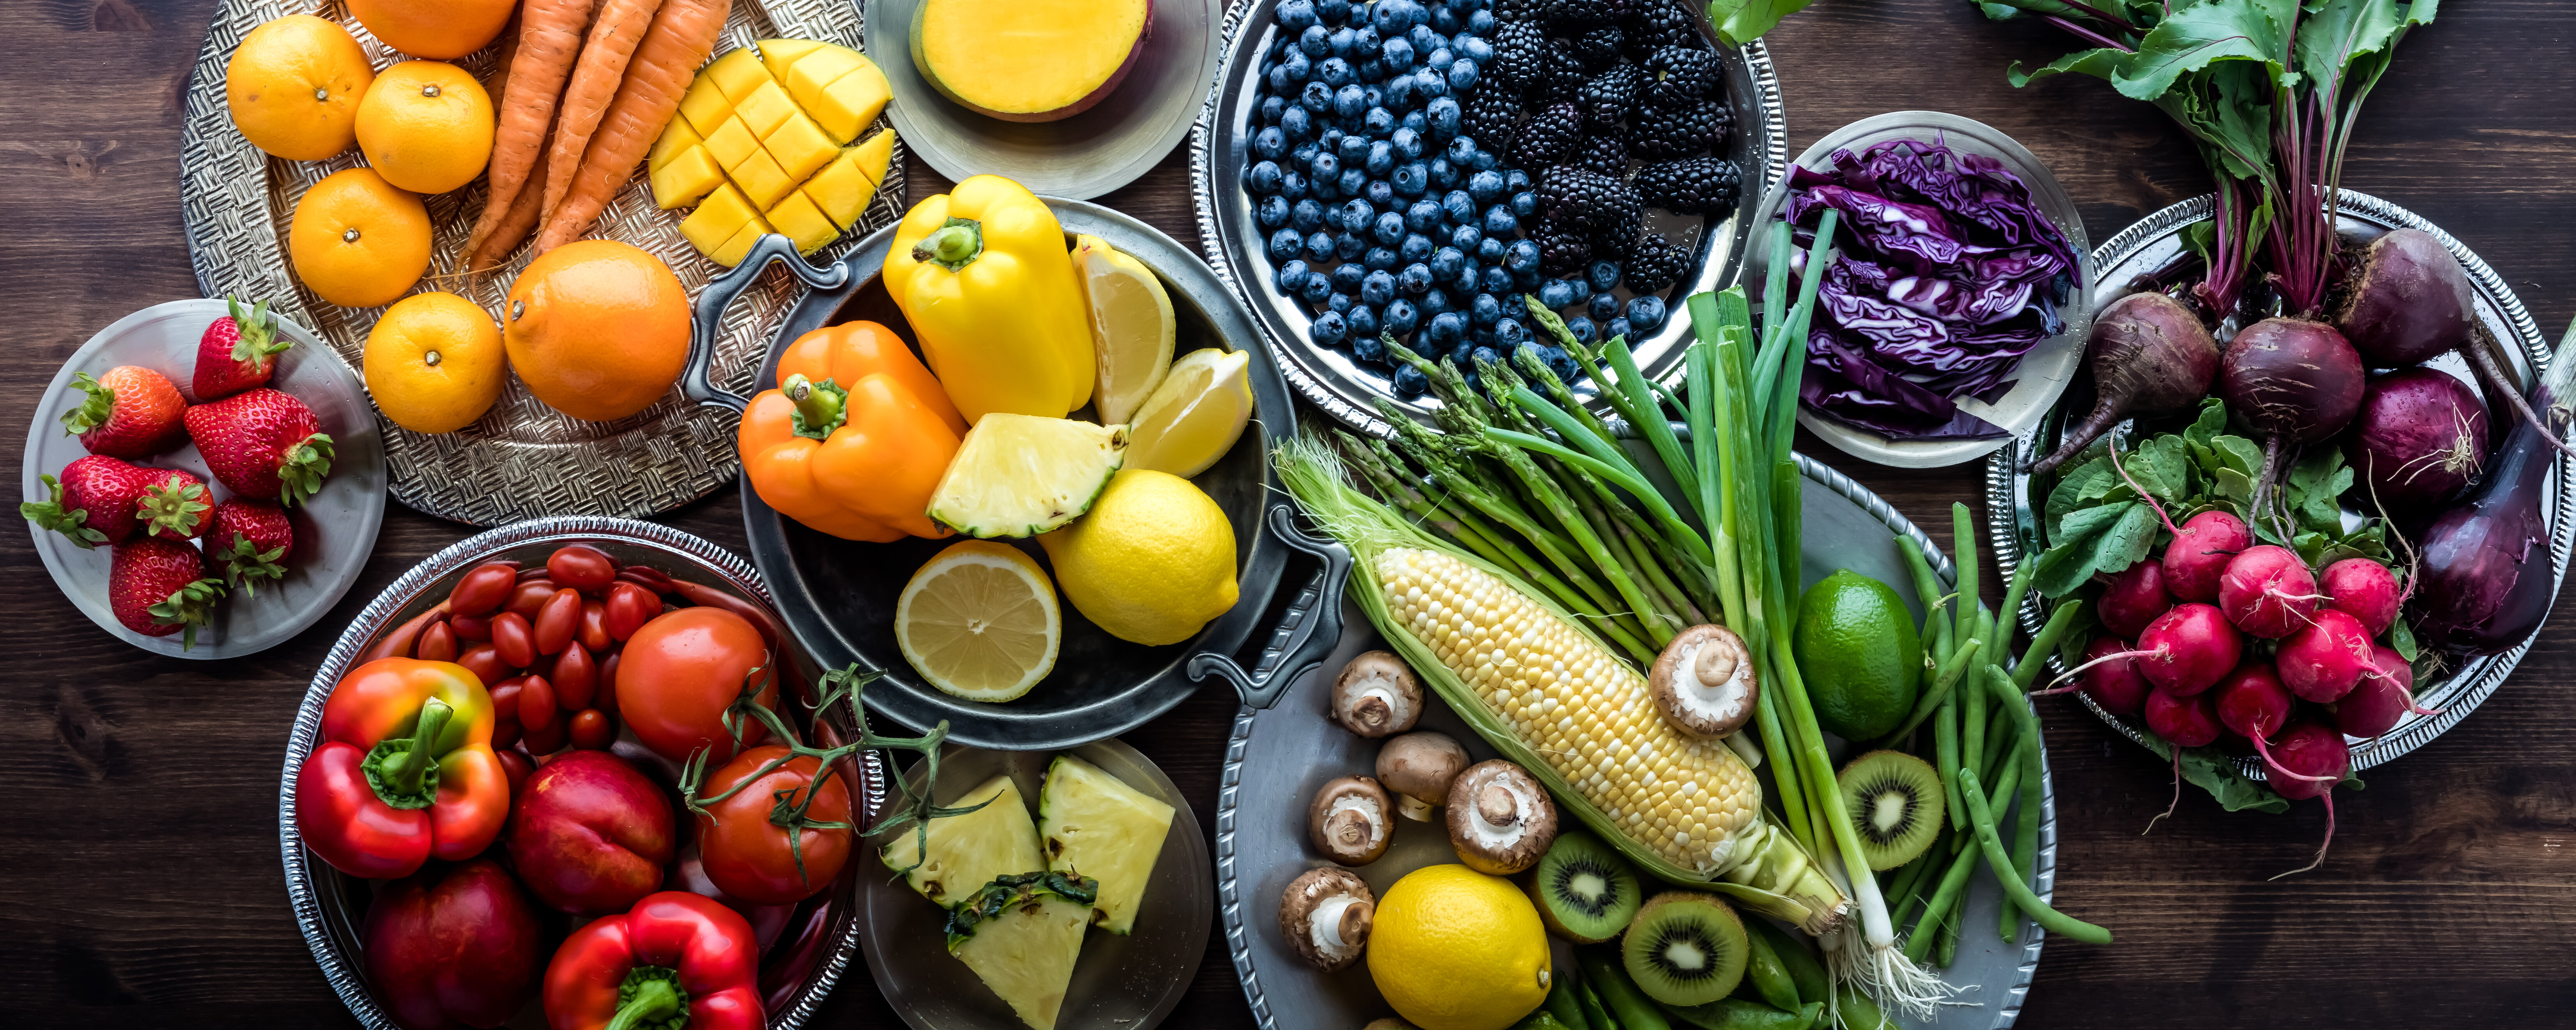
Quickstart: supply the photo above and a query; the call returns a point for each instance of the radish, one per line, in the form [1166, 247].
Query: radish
[2183, 722]
[2184, 651]
[2363, 589]
[2134, 598]
[2322, 662]
[2200, 551]
[2316, 756]
[2295, 382]
[2385, 695]
[2149, 355]
[2409, 301]
[2268, 592]
[2420, 437]
[2115, 685]
[2252, 702]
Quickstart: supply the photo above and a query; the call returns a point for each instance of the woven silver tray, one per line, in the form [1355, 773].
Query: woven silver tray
[2156, 241]
[523, 459]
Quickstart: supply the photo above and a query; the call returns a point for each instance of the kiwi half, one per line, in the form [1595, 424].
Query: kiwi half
[1685, 948]
[1585, 892]
[1895, 803]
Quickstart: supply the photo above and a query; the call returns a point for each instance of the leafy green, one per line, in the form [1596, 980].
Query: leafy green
[2197, 35]
[2101, 539]
[2401, 639]
[2211, 770]
[1742, 21]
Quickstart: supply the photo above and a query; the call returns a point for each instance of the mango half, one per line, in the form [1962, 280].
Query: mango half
[1029, 60]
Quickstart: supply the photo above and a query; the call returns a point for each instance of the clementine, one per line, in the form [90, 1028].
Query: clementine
[598, 329]
[441, 30]
[293, 87]
[434, 363]
[427, 126]
[358, 242]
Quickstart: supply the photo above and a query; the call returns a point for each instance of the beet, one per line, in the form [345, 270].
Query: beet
[2183, 721]
[2199, 554]
[2133, 599]
[2384, 696]
[2187, 649]
[2408, 300]
[2363, 588]
[2419, 439]
[2295, 382]
[2253, 703]
[2149, 355]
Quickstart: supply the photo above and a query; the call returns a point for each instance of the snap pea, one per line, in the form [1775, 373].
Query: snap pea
[1626, 1003]
[1562, 1003]
[1764, 976]
[1739, 1014]
[1804, 970]
[1541, 1019]
[1982, 817]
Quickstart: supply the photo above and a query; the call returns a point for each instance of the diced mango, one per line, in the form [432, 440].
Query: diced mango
[779, 53]
[732, 144]
[799, 147]
[730, 253]
[798, 218]
[737, 73]
[844, 187]
[716, 221]
[704, 106]
[676, 137]
[686, 179]
[764, 109]
[875, 155]
[847, 104]
[762, 181]
[815, 70]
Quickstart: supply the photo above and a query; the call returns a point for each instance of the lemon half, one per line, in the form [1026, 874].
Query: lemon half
[1131, 327]
[1195, 416]
[980, 621]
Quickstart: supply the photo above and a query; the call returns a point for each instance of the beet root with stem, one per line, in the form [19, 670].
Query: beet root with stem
[2419, 439]
[2295, 382]
[2407, 301]
[2149, 355]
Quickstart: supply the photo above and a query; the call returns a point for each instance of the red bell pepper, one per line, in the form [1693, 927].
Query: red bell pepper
[675, 960]
[405, 770]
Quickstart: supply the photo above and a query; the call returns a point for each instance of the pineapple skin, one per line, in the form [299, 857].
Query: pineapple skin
[1022, 934]
[1096, 826]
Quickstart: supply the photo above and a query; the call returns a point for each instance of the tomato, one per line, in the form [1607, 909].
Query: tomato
[556, 623]
[605, 699]
[437, 644]
[575, 678]
[591, 834]
[546, 741]
[678, 674]
[581, 567]
[485, 663]
[594, 627]
[746, 855]
[482, 590]
[530, 598]
[505, 732]
[515, 766]
[505, 698]
[474, 628]
[628, 608]
[515, 642]
[591, 731]
[537, 706]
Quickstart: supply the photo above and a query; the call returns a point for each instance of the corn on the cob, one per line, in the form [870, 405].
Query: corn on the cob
[1588, 715]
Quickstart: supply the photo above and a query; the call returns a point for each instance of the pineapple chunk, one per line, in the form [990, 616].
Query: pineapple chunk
[762, 181]
[779, 53]
[799, 147]
[731, 144]
[676, 138]
[737, 73]
[704, 106]
[716, 221]
[686, 179]
[969, 851]
[1021, 935]
[798, 219]
[847, 104]
[731, 253]
[765, 109]
[1097, 827]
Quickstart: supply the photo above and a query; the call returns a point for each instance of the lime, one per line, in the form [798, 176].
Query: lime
[1455, 949]
[1857, 651]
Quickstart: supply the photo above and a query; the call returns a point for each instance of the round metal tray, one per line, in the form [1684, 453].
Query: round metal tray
[522, 459]
[1348, 390]
[817, 937]
[2154, 242]
[1276, 759]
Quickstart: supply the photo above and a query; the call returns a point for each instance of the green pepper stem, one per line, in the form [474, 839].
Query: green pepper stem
[952, 246]
[820, 408]
[649, 1000]
[404, 772]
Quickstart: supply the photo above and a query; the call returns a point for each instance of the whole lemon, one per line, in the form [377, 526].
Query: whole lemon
[358, 242]
[598, 329]
[1152, 561]
[427, 126]
[1455, 949]
[293, 87]
[434, 363]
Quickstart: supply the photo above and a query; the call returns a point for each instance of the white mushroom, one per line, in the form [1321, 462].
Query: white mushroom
[1325, 915]
[1376, 695]
[1418, 767]
[1351, 820]
[1500, 819]
[1704, 682]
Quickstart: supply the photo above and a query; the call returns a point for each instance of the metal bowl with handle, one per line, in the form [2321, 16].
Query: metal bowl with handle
[838, 596]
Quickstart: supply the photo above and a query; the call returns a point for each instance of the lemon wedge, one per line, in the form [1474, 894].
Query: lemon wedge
[980, 621]
[1131, 327]
[1195, 416]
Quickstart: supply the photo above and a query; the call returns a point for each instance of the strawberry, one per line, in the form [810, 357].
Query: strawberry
[249, 540]
[237, 353]
[171, 503]
[263, 445]
[93, 504]
[160, 587]
[131, 412]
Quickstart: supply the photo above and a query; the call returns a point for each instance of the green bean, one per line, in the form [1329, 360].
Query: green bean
[1954, 882]
[1594, 1013]
[1626, 1003]
[1542, 1019]
[2034, 661]
[1983, 818]
[2008, 618]
[1945, 750]
[1951, 923]
[1908, 887]
[1804, 969]
[1963, 542]
[1766, 976]
[1972, 712]
[1944, 678]
[1562, 1003]
[1739, 1014]
[2025, 849]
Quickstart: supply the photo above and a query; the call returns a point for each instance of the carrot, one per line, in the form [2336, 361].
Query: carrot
[541, 58]
[683, 34]
[514, 225]
[595, 78]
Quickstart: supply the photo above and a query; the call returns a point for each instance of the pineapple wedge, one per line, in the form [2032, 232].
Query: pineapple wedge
[1096, 826]
[1021, 934]
[1022, 475]
[969, 851]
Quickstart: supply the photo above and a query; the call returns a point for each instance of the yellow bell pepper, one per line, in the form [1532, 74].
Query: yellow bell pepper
[985, 278]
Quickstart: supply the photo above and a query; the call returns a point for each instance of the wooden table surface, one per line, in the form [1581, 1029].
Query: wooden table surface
[139, 878]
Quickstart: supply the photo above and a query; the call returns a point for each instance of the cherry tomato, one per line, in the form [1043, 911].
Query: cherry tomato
[537, 707]
[514, 640]
[555, 624]
[505, 732]
[594, 627]
[531, 597]
[581, 567]
[505, 697]
[482, 590]
[485, 663]
[575, 676]
[647, 577]
[690, 665]
[437, 644]
[605, 697]
[628, 608]
[591, 731]
[516, 766]
[746, 855]
[546, 741]
[475, 628]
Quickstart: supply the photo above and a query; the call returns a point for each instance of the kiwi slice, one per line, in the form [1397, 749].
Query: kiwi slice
[1585, 892]
[1685, 948]
[1895, 803]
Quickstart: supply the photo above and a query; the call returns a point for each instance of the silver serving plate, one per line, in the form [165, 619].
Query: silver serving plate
[523, 459]
[1278, 757]
[798, 968]
[1348, 390]
[2155, 242]
[1120, 983]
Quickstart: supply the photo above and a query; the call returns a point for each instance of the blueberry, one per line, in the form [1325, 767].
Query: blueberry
[1481, 22]
[1349, 246]
[1325, 166]
[1347, 278]
[1337, 73]
[1464, 356]
[1409, 382]
[1377, 157]
[1524, 255]
[1604, 275]
[1485, 161]
[1525, 279]
[1292, 274]
[1415, 121]
[1328, 330]
[1415, 248]
[1617, 327]
[1296, 14]
[1362, 320]
[1396, 54]
[1447, 327]
[1379, 193]
[1555, 294]
[1499, 221]
[1604, 307]
[1315, 97]
[1443, 115]
[1407, 143]
[1467, 238]
[1319, 247]
[1462, 76]
[1303, 154]
[1580, 328]
[1342, 40]
[1364, 36]
[1470, 277]
[1296, 122]
[1485, 310]
[1423, 39]
[1272, 212]
[1415, 279]
[1280, 81]
[1377, 121]
[1371, 70]
[1315, 41]
[1524, 204]
[1508, 334]
[1446, 262]
[1473, 47]
[1263, 177]
[1399, 92]
[1645, 313]
[1516, 180]
[1434, 302]
[1296, 67]
[1389, 18]
[1444, 176]
[1431, 86]
[1307, 216]
[1333, 11]
[1377, 287]
[1338, 302]
[1485, 186]
[1443, 19]
[1401, 316]
[1357, 216]
[1562, 361]
[1423, 217]
[1492, 250]
[1378, 258]
[1498, 279]
[1457, 205]
[1437, 60]
[1411, 179]
[1269, 143]
[1271, 107]
[1314, 288]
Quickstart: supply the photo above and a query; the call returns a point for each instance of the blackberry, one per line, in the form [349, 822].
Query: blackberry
[1490, 117]
[1608, 97]
[1549, 137]
[1661, 23]
[1573, 17]
[1677, 75]
[1605, 154]
[1599, 48]
[1560, 75]
[1698, 186]
[1654, 264]
[1581, 200]
[1660, 132]
[1561, 253]
[1520, 53]
[1509, 11]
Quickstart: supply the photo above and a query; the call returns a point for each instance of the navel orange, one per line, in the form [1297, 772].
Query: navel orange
[293, 86]
[434, 363]
[358, 242]
[437, 29]
[598, 329]
[427, 126]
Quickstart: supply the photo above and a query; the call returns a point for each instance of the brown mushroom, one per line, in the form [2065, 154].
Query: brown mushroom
[1325, 914]
[1418, 767]
[1705, 683]
[1500, 819]
[1376, 695]
[1351, 821]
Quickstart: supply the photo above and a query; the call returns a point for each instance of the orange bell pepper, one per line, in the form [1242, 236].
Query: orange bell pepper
[852, 351]
[779, 462]
[860, 461]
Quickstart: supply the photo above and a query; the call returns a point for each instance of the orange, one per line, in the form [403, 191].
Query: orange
[293, 87]
[434, 363]
[358, 242]
[427, 126]
[598, 329]
[437, 29]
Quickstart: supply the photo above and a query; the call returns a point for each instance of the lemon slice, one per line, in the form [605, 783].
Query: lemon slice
[1022, 475]
[1195, 416]
[980, 621]
[1131, 327]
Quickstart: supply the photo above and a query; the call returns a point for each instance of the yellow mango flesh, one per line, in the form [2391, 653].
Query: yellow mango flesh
[1023, 60]
[760, 146]
[799, 147]
[686, 179]
[716, 221]
[843, 188]
[798, 218]
[765, 109]
[676, 138]
[779, 53]
[737, 73]
[850, 103]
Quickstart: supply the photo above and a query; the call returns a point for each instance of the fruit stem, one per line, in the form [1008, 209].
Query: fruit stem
[820, 407]
[648, 998]
[952, 246]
